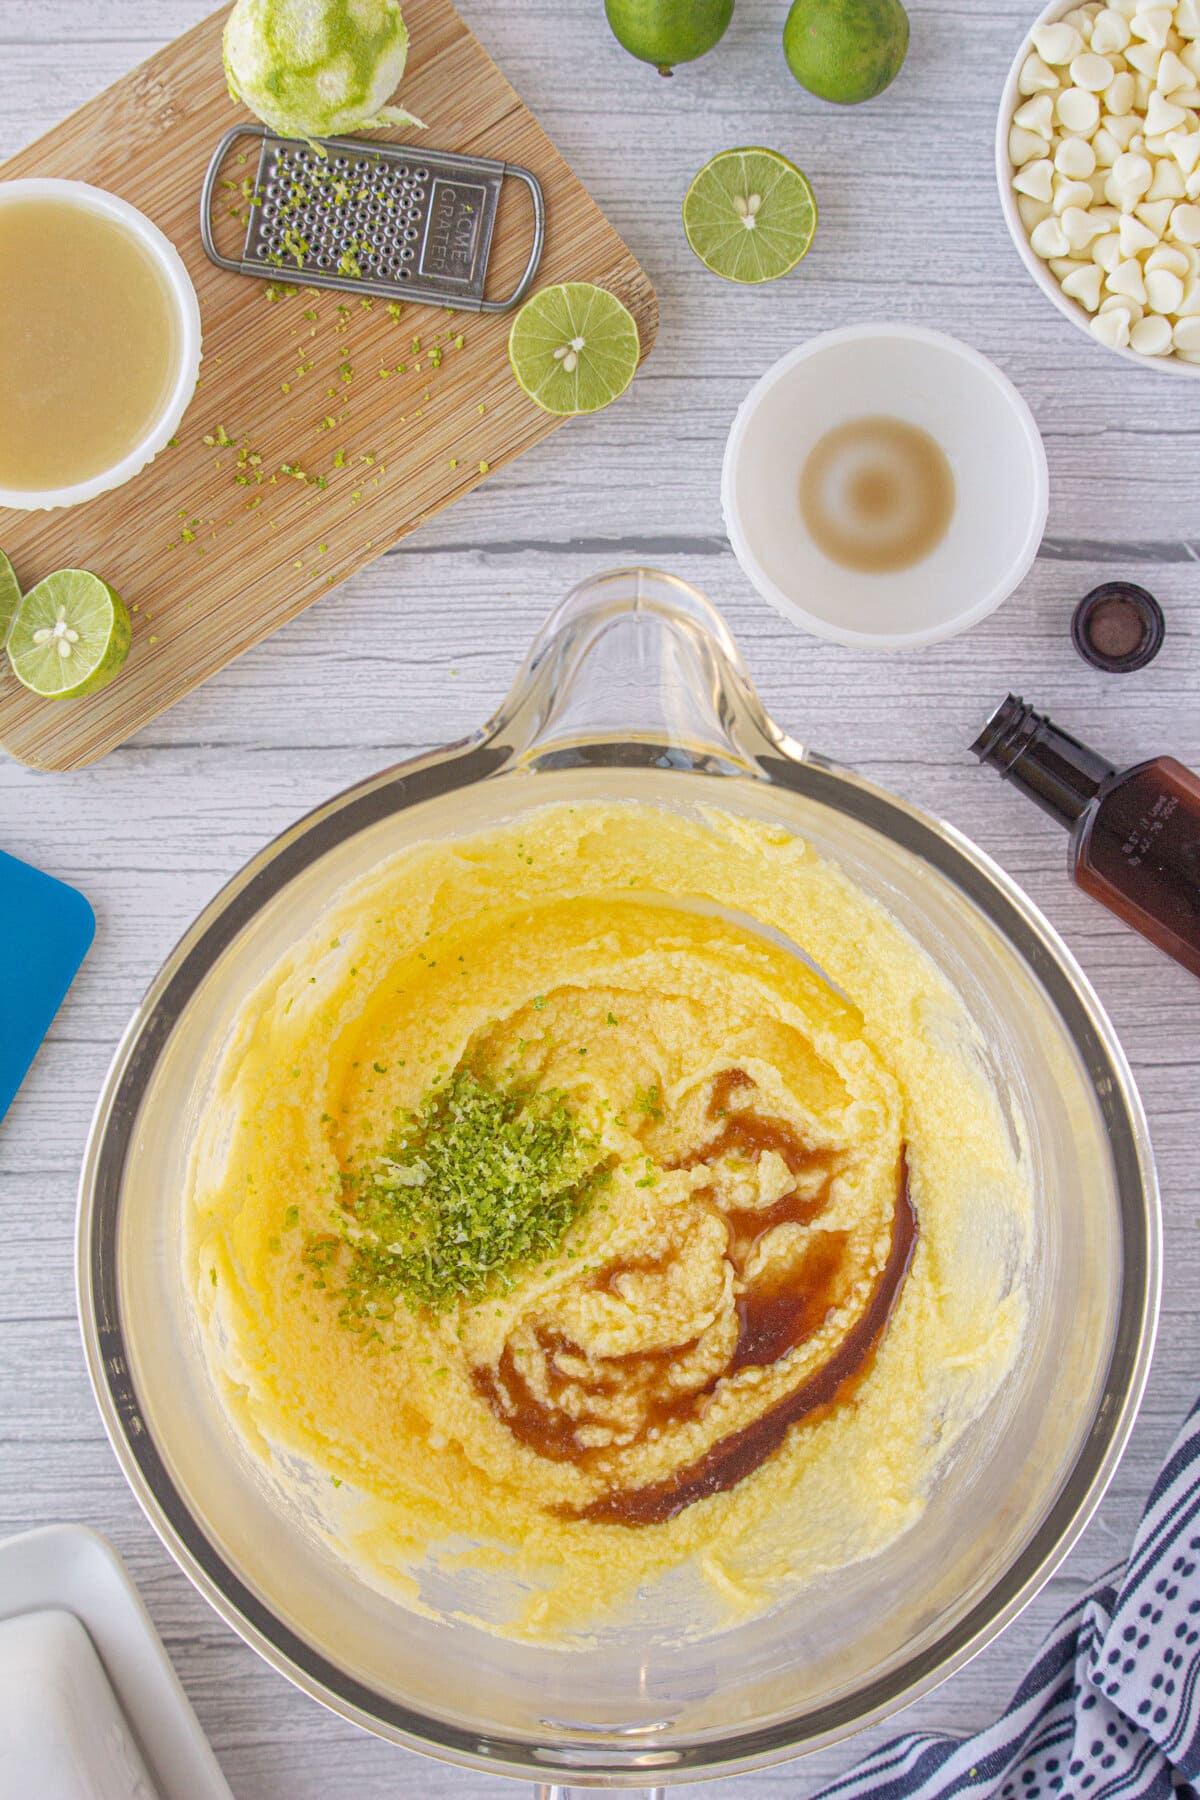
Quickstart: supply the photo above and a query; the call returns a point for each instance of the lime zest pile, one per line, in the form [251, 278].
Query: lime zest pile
[479, 1182]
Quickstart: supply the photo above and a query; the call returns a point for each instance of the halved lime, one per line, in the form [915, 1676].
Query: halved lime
[70, 636]
[10, 597]
[750, 215]
[573, 348]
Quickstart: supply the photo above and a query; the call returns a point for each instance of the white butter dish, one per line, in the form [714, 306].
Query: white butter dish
[62, 1731]
[90, 1707]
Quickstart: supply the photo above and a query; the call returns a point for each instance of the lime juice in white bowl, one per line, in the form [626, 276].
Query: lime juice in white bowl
[99, 342]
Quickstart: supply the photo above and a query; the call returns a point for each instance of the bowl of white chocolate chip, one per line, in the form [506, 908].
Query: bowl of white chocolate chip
[1098, 162]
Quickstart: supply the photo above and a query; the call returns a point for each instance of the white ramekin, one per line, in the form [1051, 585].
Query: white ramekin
[929, 380]
[1010, 99]
[187, 316]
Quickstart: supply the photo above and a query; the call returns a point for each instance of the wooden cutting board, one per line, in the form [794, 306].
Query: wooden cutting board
[207, 564]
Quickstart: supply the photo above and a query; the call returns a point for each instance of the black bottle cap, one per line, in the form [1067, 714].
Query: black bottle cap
[1050, 766]
[1118, 627]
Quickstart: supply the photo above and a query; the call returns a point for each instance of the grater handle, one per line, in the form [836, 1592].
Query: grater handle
[209, 189]
[535, 249]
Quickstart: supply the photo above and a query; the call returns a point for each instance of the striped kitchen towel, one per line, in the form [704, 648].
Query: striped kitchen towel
[1112, 1705]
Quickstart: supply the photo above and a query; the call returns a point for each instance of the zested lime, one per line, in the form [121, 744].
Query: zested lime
[750, 215]
[574, 348]
[70, 636]
[10, 597]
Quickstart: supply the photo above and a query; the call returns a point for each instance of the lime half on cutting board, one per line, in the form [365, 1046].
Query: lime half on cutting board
[70, 636]
[574, 348]
[10, 597]
[750, 215]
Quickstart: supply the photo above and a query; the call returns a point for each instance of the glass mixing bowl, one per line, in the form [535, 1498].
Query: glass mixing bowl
[635, 691]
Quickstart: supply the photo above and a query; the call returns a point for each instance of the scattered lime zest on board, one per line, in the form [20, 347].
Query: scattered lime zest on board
[750, 215]
[573, 348]
[70, 635]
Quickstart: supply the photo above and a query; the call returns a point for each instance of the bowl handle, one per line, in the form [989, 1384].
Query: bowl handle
[552, 1791]
[642, 657]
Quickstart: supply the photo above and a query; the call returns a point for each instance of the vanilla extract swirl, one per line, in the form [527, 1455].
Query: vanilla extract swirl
[573, 1406]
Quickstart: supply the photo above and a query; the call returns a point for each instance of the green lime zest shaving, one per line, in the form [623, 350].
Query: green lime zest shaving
[477, 1183]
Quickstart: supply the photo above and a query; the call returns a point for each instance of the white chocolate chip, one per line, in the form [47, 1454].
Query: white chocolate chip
[1036, 76]
[1164, 256]
[1151, 336]
[1189, 56]
[1161, 115]
[1036, 179]
[1071, 193]
[1172, 73]
[1091, 71]
[1062, 266]
[1077, 110]
[1164, 290]
[1168, 182]
[1155, 214]
[1187, 18]
[1185, 148]
[1135, 237]
[1024, 146]
[1076, 158]
[1112, 328]
[1153, 24]
[1033, 211]
[1189, 306]
[1126, 278]
[1110, 32]
[1121, 95]
[1185, 224]
[1133, 173]
[1084, 285]
[1123, 129]
[1056, 44]
[1122, 303]
[1079, 228]
[1186, 334]
[1104, 147]
[1143, 59]
[1038, 115]
[1106, 252]
[1048, 239]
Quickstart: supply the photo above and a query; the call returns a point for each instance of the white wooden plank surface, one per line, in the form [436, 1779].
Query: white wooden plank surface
[419, 648]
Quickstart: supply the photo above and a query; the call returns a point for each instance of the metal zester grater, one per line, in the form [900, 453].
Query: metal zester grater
[373, 218]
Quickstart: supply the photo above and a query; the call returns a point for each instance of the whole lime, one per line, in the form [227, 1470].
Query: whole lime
[664, 32]
[845, 50]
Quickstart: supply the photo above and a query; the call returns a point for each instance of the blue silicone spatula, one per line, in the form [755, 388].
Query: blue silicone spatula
[45, 930]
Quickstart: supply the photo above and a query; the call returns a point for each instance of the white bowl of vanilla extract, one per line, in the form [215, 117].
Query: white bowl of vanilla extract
[99, 342]
[885, 486]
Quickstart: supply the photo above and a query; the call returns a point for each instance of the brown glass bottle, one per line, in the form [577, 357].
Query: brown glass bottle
[1135, 833]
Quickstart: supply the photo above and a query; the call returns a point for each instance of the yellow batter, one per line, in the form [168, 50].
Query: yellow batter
[608, 1418]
